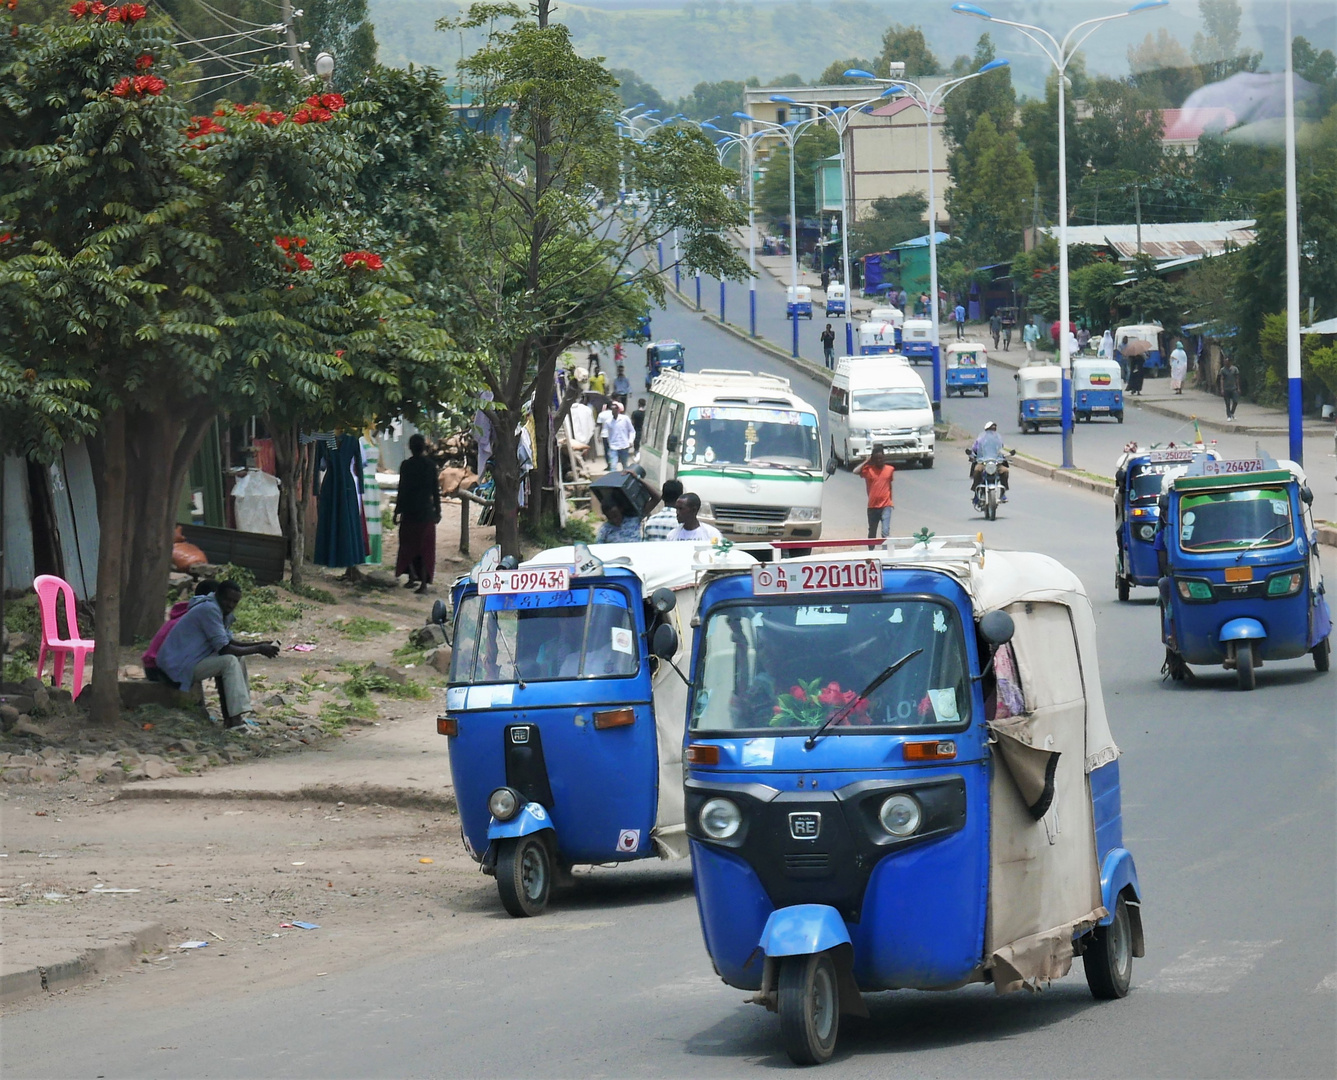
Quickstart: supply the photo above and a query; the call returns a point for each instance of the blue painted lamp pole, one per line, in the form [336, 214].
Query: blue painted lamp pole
[1294, 388]
[1060, 54]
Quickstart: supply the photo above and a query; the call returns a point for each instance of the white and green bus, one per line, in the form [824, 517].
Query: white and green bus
[745, 444]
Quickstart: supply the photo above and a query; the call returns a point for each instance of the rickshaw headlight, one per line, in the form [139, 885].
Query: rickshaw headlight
[1147, 532]
[1195, 590]
[503, 804]
[1285, 584]
[900, 815]
[720, 819]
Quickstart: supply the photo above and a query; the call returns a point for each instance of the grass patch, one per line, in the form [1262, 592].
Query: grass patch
[335, 715]
[364, 681]
[18, 668]
[310, 592]
[410, 654]
[550, 535]
[23, 616]
[263, 611]
[360, 628]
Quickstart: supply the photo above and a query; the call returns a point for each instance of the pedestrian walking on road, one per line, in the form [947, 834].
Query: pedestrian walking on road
[417, 511]
[605, 421]
[1030, 335]
[1178, 367]
[1007, 336]
[1228, 379]
[959, 317]
[826, 280]
[878, 473]
[660, 524]
[995, 327]
[829, 346]
[690, 527]
[621, 438]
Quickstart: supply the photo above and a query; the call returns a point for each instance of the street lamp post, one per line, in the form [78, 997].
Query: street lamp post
[1060, 54]
[928, 101]
[839, 118]
[747, 146]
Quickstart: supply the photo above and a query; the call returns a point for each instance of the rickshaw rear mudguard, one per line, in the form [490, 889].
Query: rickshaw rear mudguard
[1118, 877]
[803, 929]
[532, 818]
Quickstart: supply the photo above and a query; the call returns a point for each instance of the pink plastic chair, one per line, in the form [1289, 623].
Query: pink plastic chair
[48, 587]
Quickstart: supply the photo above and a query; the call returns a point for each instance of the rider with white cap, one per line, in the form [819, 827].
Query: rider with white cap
[988, 445]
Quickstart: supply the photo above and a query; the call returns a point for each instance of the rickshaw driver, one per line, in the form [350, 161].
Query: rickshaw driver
[989, 445]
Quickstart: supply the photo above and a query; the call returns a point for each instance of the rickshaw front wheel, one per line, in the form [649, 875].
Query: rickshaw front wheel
[1122, 583]
[809, 1007]
[1244, 665]
[1322, 655]
[524, 875]
[1108, 959]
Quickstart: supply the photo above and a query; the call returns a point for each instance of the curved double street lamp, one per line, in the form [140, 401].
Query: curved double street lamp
[747, 149]
[1060, 54]
[927, 101]
[789, 132]
[839, 117]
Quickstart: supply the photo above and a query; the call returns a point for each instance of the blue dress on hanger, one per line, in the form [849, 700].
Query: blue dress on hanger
[340, 540]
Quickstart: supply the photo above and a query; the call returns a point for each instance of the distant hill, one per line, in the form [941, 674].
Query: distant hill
[675, 45]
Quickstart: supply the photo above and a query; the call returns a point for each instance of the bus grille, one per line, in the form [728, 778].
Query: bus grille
[750, 513]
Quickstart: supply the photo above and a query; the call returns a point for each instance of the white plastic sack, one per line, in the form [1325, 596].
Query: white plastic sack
[255, 497]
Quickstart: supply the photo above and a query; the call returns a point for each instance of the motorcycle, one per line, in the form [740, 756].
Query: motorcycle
[988, 490]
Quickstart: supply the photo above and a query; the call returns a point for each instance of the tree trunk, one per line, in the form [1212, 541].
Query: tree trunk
[159, 446]
[288, 459]
[543, 504]
[104, 695]
[506, 473]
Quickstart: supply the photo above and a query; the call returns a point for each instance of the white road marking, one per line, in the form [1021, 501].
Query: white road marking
[1210, 967]
[1330, 983]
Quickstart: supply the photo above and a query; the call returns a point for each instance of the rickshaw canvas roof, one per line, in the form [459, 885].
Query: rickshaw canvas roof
[659, 564]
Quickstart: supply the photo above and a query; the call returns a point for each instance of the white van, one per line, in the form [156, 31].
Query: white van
[746, 444]
[879, 401]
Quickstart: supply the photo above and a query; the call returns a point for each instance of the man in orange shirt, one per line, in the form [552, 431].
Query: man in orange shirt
[877, 475]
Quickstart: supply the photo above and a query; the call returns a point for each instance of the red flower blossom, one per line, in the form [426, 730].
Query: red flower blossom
[113, 14]
[303, 262]
[364, 259]
[143, 63]
[339, 353]
[96, 9]
[6, 237]
[139, 86]
[123, 88]
[201, 126]
[321, 115]
[132, 13]
[80, 9]
[301, 116]
[333, 102]
[313, 100]
[796, 692]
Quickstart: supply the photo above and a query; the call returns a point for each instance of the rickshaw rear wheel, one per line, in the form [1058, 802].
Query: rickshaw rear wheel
[1108, 959]
[809, 1007]
[524, 876]
[1121, 583]
[986, 391]
[1244, 665]
[1322, 655]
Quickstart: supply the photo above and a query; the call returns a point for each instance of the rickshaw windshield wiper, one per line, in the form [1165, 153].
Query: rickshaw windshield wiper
[845, 710]
[1284, 525]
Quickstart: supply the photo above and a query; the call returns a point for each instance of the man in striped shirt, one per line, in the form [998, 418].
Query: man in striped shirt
[659, 524]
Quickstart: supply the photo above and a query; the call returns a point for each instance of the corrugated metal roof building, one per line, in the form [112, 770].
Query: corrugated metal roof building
[1170, 240]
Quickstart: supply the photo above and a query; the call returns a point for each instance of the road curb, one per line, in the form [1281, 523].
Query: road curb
[68, 971]
[359, 794]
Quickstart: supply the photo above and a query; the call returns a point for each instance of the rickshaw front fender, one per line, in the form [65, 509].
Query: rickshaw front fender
[532, 818]
[803, 929]
[1242, 630]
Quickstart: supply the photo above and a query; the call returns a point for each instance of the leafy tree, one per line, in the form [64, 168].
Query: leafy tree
[1221, 23]
[906, 44]
[812, 146]
[718, 99]
[1162, 69]
[1153, 299]
[889, 222]
[834, 75]
[540, 271]
[633, 90]
[991, 93]
[1093, 292]
[341, 28]
[986, 203]
[791, 79]
[1039, 134]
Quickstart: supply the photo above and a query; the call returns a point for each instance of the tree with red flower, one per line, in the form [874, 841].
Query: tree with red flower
[365, 259]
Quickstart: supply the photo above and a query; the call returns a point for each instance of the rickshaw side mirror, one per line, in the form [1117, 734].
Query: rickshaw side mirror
[997, 628]
[439, 613]
[663, 600]
[509, 563]
[831, 466]
[1306, 496]
[665, 642]
[672, 443]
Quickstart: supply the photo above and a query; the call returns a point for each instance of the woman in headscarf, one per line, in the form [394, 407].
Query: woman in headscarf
[1178, 367]
[1106, 348]
[417, 511]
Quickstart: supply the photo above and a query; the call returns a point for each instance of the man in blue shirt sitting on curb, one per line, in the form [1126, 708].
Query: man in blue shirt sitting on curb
[200, 647]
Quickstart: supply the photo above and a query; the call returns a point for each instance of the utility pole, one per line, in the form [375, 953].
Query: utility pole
[1035, 215]
[1137, 206]
[294, 53]
[1095, 214]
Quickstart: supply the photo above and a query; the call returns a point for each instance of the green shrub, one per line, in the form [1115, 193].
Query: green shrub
[359, 628]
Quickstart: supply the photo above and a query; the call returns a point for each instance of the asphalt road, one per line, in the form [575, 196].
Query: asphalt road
[1229, 810]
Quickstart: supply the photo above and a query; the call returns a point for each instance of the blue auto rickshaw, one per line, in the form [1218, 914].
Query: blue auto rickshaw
[564, 715]
[1138, 480]
[1039, 397]
[917, 339]
[1241, 583]
[966, 364]
[667, 355]
[798, 304]
[1097, 389]
[835, 299]
[880, 751]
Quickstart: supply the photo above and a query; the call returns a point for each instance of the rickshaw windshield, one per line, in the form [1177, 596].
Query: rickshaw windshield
[785, 667]
[751, 436]
[888, 400]
[1145, 483]
[584, 633]
[1229, 520]
[669, 354]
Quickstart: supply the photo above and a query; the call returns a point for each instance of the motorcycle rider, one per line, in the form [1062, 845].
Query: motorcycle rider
[988, 445]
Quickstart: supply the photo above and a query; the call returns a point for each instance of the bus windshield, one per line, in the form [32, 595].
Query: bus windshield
[747, 435]
[787, 667]
[1229, 520]
[583, 633]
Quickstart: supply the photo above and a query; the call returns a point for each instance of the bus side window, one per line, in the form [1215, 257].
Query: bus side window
[835, 404]
[650, 436]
